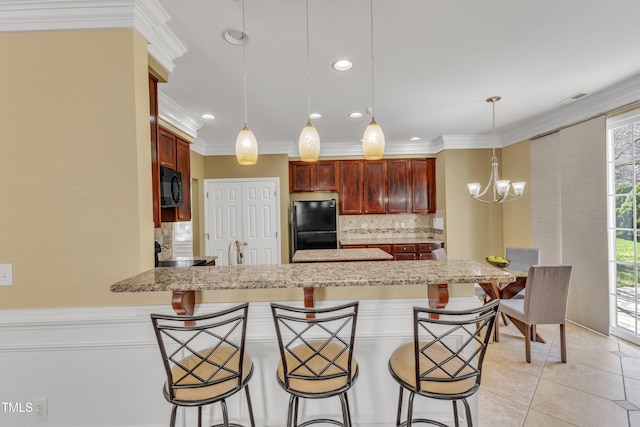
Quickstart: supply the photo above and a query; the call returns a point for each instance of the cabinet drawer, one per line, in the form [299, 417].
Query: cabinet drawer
[403, 249]
[423, 256]
[427, 247]
[404, 257]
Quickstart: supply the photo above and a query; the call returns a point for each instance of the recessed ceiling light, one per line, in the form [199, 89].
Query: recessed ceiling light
[355, 115]
[415, 138]
[235, 37]
[315, 115]
[208, 116]
[342, 65]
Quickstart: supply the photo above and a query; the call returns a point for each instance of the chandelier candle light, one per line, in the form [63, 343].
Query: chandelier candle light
[246, 144]
[373, 138]
[499, 187]
[309, 142]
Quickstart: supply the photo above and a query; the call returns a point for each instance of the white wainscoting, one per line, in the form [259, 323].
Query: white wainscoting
[102, 367]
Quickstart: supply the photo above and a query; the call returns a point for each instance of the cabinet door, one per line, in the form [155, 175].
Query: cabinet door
[301, 177]
[423, 185]
[398, 190]
[327, 175]
[351, 187]
[375, 173]
[167, 149]
[183, 157]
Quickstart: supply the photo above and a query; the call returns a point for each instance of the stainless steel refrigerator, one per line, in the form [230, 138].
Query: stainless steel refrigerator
[314, 225]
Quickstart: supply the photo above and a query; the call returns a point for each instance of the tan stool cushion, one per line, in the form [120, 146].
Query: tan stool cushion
[317, 364]
[205, 370]
[402, 362]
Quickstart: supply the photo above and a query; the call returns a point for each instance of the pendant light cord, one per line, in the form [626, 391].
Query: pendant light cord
[372, 93]
[244, 64]
[308, 71]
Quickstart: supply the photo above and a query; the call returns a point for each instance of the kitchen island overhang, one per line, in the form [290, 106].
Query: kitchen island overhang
[437, 275]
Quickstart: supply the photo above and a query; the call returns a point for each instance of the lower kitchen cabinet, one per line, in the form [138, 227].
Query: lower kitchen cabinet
[404, 252]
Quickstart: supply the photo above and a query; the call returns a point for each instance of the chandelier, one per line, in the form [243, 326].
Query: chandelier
[500, 188]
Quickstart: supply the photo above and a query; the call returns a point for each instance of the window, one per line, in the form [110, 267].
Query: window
[623, 171]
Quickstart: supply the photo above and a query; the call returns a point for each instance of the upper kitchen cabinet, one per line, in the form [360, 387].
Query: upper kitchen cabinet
[398, 186]
[167, 142]
[351, 187]
[423, 185]
[374, 194]
[175, 153]
[313, 176]
[387, 186]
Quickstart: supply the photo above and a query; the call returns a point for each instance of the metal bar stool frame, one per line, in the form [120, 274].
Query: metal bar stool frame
[313, 356]
[430, 363]
[198, 377]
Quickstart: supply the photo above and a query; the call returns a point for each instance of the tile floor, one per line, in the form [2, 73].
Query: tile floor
[599, 386]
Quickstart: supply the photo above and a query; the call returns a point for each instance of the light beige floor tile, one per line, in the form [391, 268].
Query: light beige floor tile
[495, 410]
[632, 388]
[634, 419]
[585, 378]
[514, 357]
[508, 382]
[629, 348]
[577, 407]
[603, 360]
[631, 367]
[538, 419]
[576, 334]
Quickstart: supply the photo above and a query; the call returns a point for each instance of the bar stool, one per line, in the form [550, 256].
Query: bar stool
[205, 360]
[316, 356]
[444, 360]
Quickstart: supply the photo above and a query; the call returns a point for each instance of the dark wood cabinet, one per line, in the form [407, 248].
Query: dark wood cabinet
[402, 251]
[327, 175]
[322, 175]
[351, 187]
[423, 185]
[374, 176]
[398, 186]
[155, 165]
[175, 153]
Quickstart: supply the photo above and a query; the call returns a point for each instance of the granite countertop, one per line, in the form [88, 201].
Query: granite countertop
[390, 240]
[330, 255]
[300, 275]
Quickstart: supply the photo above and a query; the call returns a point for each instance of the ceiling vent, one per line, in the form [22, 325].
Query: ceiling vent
[573, 98]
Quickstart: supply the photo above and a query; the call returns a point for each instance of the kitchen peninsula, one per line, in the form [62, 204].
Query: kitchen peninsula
[440, 274]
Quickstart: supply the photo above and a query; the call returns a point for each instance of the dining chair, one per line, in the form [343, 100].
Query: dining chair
[444, 360]
[316, 356]
[522, 258]
[204, 359]
[545, 302]
[440, 254]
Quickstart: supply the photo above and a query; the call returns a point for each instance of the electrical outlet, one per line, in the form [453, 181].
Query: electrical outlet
[41, 409]
[438, 223]
[6, 275]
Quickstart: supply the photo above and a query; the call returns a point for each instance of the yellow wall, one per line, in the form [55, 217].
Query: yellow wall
[516, 220]
[76, 211]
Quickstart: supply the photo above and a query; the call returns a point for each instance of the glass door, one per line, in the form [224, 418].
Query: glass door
[623, 171]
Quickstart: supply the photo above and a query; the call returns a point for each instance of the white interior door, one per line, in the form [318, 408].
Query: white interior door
[245, 210]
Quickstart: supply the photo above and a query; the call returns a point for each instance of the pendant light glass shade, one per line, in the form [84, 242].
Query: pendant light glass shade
[373, 141]
[246, 147]
[309, 143]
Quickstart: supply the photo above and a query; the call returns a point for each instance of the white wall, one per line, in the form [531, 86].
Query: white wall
[102, 367]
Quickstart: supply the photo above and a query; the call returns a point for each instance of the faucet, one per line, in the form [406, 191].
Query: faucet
[239, 254]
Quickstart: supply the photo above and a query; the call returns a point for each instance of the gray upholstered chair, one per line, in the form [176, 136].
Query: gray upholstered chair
[439, 254]
[521, 259]
[545, 302]
[444, 359]
[204, 359]
[316, 356]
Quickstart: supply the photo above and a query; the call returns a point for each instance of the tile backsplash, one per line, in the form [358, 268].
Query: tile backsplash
[162, 235]
[396, 225]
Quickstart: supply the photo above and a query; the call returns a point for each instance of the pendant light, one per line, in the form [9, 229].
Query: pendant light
[373, 138]
[309, 142]
[499, 187]
[246, 144]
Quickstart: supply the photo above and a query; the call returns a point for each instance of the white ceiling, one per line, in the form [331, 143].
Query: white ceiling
[435, 63]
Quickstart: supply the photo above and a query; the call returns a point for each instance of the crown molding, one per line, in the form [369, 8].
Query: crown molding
[145, 16]
[465, 142]
[174, 114]
[605, 101]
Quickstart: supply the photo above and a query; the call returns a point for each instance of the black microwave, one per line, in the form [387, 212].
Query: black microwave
[170, 188]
